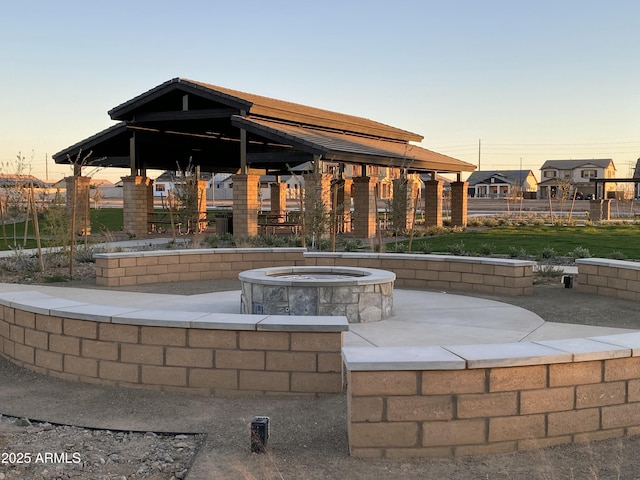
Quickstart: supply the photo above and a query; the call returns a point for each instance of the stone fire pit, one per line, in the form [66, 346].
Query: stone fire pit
[360, 294]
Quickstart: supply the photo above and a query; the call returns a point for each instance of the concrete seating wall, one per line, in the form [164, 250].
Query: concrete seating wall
[483, 399]
[136, 268]
[171, 350]
[446, 272]
[609, 278]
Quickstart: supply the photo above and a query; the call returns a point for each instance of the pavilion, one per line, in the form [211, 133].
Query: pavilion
[220, 130]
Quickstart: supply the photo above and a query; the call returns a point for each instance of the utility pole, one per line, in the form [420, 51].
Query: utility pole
[479, 143]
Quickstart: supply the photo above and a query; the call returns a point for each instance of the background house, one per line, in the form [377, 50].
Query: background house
[502, 184]
[564, 177]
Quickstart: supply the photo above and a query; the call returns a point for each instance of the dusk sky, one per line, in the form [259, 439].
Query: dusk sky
[532, 80]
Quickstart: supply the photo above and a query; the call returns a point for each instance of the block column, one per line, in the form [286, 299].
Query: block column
[317, 199]
[279, 201]
[406, 189]
[137, 194]
[343, 205]
[202, 204]
[600, 210]
[433, 203]
[459, 203]
[79, 186]
[245, 204]
[365, 209]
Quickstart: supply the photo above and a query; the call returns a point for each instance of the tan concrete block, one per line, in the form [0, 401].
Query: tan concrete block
[454, 277]
[127, 262]
[169, 260]
[135, 271]
[599, 394]
[517, 378]
[216, 379]
[163, 336]
[316, 341]
[213, 338]
[516, 428]
[8, 347]
[24, 353]
[575, 373]
[33, 338]
[599, 435]
[329, 362]
[112, 332]
[16, 333]
[241, 360]
[25, 319]
[87, 367]
[80, 328]
[49, 360]
[419, 408]
[365, 409]
[263, 340]
[64, 344]
[4, 329]
[316, 382]
[622, 369]
[436, 452]
[616, 416]
[574, 421]
[453, 432]
[8, 314]
[146, 261]
[397, 434]
[453, 382]
[488, 449]
[291, 361]
[49, 324]
[189, 357]
[487, 405]
[264, 381]
[540, 443]
[383, 383]
[633, 390]
[127, 281]
[153, 375]
[99, 349]
[142, 354]
[547, 400]
[121, 372]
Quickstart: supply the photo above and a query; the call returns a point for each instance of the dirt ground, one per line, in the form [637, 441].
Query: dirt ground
[308, 435]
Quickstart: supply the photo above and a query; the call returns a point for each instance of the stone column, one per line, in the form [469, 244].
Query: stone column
[245, 204]
[459, 203]
[600, 210]
[279, 201]
[365, 209]
[343, 205]
[433, 203]
[80, 186]
[137, 194]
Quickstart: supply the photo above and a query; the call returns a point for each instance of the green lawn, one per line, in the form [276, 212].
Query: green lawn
[600, 240]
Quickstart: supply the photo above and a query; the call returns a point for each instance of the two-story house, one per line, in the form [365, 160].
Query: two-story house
[566, 177]
[502, 184]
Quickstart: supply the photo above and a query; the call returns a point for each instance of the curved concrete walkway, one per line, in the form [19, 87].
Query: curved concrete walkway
[419, 317]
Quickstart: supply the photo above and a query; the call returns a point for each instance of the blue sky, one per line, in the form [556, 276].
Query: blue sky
[532, 80]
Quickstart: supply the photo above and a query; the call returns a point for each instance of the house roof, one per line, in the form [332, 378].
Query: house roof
[513, 177]
[572, 164]
[185, 120]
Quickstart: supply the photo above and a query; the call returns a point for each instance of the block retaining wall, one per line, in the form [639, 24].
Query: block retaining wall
[510, 400]
[609, 278]
[443, 272]
[206, 353]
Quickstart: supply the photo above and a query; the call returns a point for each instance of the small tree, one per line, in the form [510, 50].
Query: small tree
[316, 213]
